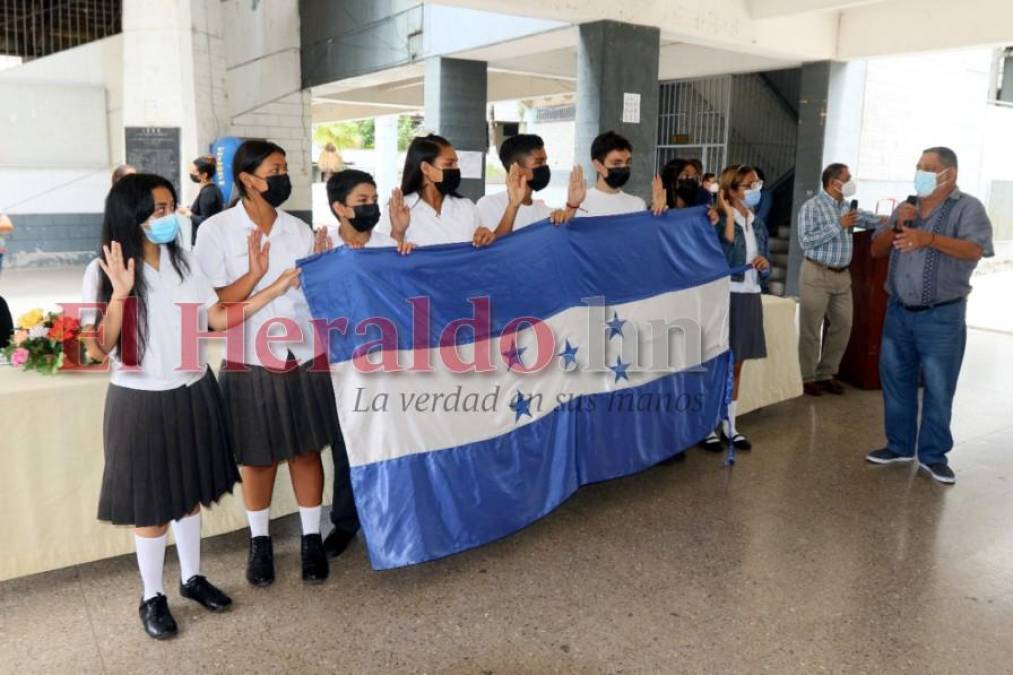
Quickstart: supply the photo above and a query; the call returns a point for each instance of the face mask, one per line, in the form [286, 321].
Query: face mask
[195, 178]
[162, 230]
[688, 191]
[713, 188]
[279, 188]
[849, 189]
[541, 177]
[925, 183]
[753, 198]
[617, 177]
[366, 217]
[451, 181]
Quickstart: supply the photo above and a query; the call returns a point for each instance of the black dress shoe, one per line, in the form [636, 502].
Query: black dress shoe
[204, 593]
[156, 618]
[337, 541]
[739, 441]
[314, 560]
[260, 564]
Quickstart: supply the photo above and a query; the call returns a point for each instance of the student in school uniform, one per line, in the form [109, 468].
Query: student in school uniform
[279, 398]
[744, 238]
[437, 213]
[524, 158]
[209, 200]
[353, 199]
[612, 157]
[165, 437]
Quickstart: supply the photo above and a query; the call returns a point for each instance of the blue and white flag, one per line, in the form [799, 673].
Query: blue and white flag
[478, 389]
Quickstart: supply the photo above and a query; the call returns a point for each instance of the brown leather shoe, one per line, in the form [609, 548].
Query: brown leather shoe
[812, 389]
[832, 386]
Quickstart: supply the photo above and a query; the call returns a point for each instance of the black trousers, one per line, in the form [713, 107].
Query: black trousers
[343, 514]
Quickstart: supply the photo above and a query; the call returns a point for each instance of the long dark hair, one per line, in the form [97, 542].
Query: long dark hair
[422, 149]
[128, 206]
[670, 177]
[248, 158]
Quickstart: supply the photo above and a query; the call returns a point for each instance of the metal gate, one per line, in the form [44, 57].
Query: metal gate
[693, 119]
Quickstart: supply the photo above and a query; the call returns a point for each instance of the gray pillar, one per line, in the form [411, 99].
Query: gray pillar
[455, 98]
[614, 59]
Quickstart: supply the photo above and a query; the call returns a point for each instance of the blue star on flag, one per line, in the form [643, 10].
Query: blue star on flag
[513, 355]
[620, 370]
[569, 355]
[521, 406]
[615, 325]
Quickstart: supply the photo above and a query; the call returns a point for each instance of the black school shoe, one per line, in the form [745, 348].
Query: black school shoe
[337, 541]
[314, 560]
[156, 618]
[712, 443]
[205, 594]
[739, 441]
[260, 564]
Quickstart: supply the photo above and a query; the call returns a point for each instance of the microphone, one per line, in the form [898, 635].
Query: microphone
[854, 204]
[912, 200]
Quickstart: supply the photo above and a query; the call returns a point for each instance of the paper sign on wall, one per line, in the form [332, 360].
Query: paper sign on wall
[470, 162]
[631, 108]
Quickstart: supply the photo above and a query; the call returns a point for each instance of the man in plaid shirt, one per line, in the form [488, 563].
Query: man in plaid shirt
[825, 225]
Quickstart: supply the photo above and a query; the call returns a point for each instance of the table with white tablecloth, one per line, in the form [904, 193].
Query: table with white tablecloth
[51, 440]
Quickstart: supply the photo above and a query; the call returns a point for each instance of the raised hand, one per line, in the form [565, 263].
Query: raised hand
[322, 242]
[724, 206]
[517, 185]
[577, 189]
[259, 256]
[483, 237]
[400, 214]
[120, 276]
[659, 199]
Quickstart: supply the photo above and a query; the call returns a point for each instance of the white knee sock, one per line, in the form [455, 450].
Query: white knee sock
[729, 425]
[151, 562]
[187, 533]
[259, 521]
[310, 517]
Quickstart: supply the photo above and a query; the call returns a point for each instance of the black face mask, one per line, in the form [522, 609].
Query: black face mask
[195, 178]
[451, 181]
[279, 188]
[540, 179]
[688, 191]
[617, 177]
[366, 217]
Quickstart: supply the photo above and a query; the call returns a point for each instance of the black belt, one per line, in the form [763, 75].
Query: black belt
[828, 267]
[922, 308]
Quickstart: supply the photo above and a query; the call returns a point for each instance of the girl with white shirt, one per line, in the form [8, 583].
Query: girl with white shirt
[165, 437]
[436, 213]
[278, 390]
[744, 239]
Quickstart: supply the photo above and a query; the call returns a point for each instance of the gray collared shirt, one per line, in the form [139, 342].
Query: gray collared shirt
[926, 276]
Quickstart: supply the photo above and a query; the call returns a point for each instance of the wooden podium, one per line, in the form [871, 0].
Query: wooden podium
[860, 365]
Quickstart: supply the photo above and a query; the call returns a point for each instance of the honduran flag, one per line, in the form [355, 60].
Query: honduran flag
[477, 389]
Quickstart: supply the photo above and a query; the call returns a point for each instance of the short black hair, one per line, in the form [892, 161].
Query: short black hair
[707, 176]
[832, 172]
[759, 173]
[946, 156]
[516, 148]
[343, 182]
[606, 143]
[248, 158]
[206, 165]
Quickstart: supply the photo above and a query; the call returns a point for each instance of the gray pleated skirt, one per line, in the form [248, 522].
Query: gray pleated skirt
[165, 453]
[277, 415]
[745, 327]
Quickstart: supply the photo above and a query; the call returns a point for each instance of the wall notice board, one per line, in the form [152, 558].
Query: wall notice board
[155, 150]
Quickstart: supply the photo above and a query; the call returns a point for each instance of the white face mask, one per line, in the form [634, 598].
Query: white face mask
[713, 188]
[849, 189]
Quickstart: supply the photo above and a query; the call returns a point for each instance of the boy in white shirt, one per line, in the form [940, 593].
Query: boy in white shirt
[524, 158]
[612, 156]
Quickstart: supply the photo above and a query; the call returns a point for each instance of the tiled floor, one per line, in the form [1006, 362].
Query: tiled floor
[800, 559]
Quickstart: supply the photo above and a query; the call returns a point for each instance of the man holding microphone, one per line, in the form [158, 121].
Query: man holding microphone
[825, 225]
[934, 244]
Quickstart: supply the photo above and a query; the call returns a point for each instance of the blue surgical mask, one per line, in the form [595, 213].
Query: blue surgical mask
[162, 230]
[925, 183]
[753, 198]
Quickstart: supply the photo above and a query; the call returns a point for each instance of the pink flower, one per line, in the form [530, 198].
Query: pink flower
[19, 357]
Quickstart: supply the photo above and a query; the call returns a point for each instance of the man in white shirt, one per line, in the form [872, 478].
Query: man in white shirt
[525, 159]
[612, 156]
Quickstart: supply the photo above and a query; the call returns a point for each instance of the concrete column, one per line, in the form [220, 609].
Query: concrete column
[386, 169]
[455, 107]
[613, 60]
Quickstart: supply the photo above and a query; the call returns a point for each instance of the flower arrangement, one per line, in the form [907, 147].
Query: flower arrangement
[41, 342]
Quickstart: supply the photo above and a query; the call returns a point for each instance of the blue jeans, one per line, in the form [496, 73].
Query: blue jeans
[932, 342]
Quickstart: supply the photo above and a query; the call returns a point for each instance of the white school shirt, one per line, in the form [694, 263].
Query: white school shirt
[163, 353]
[492, 207]
[222, 254]
[751, 281]
[457, 221]
[598, 203]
